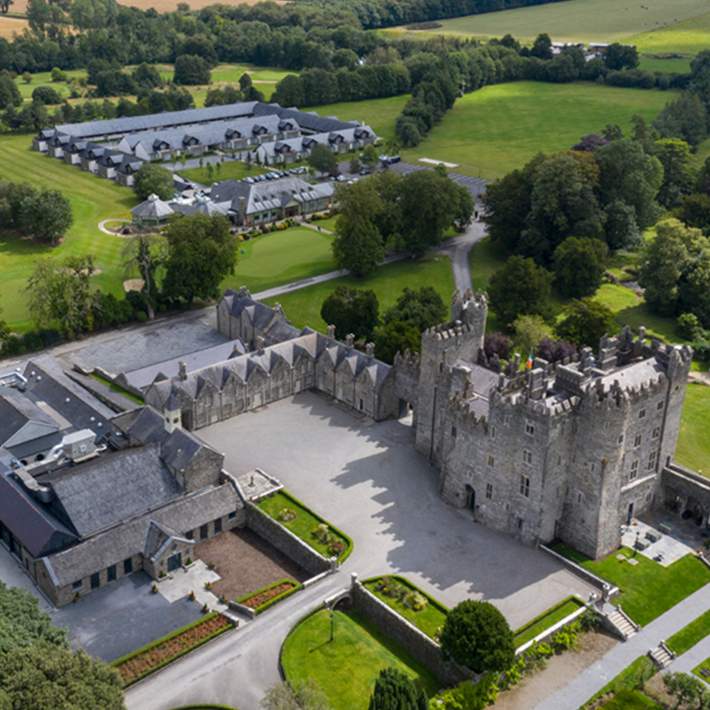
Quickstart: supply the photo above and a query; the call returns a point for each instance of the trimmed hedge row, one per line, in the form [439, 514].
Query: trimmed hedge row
[296, 586]
[349, 543]
[168, 637]
[547, 612]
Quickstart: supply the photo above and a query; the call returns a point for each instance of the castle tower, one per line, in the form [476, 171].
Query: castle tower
[441, 347]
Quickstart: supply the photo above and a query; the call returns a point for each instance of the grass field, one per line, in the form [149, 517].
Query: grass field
[577, 20]
[92, 200]
[346, 667]
[689, 635]
[702, 670]
[379, 114]
[281, 257]
[499, 128]
[229, 170]
[303, 307]
[693, 448]
[648, 589]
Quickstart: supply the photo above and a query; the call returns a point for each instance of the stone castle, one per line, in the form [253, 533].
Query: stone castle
[570, 451]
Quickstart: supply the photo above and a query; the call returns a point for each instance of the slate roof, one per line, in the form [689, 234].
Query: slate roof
[39, 531]
[308, 120]
[114, 487]
[123, 541]
[21, 420]
[152, 209]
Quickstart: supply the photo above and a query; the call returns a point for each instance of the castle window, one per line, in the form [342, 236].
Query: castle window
[493, 432]
[527, 457]
[491, 460]
[441, 367]
[218, 526]
[362, 405]
[232, 515]
[656, 433]
[204, 532]
[77, 585]
[529, 428]
[621, 438]
[642, 414]
[659, 406]
[520, 523]
[634, 470]
[453, 432]
[190, 534]
[128, 565]
[111, 573]
[525, 486]
[637, 440]
[489, 491]
[579, 498]
[652, 460]
[559, 460]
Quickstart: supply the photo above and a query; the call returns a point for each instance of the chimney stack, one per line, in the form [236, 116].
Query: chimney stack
[182, 370]
[331, 331]
[370, 349]
[350, 339]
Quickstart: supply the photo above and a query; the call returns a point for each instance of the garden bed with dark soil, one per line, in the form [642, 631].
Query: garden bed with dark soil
[159, 653]
[246, 563]
[262, 599]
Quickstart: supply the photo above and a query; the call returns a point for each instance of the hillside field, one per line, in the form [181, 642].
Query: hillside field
[499, 128]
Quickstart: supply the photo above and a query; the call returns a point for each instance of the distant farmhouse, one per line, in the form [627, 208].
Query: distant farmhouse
[251, 130]
[92, 489]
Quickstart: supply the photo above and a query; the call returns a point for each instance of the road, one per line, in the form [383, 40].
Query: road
[585, 685]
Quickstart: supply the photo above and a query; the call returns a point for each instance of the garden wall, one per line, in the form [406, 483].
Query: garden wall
[408, 636]
[285, 541]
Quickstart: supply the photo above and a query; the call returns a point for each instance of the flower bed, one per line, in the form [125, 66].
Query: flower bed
[266, 597]
[304, 523]
[417, 607]
[157, 654]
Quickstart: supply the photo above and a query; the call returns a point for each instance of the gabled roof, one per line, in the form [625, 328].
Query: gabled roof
[21, 420]
[152, 208]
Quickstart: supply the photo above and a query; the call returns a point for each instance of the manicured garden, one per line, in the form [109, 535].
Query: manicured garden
[626, 686]
[307, 525]
[266, 597]
[303, 306]
[281, 257]
[702, 670]
[499, 128]
[228, 170]
[345, 667]
[689, 635]
[159, 653]
[417, 607]
[553, 615]
[647, 589]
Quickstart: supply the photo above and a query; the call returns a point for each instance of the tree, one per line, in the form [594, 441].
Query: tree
[355, 165]
[529, 332]
[421, 308]
[351, 310]
[191, 70]
[428, 204]
[46, 677]
[585, 321]
[542, 47]
[620, 226]
[689, 327]
[369, 156]
[201, 253]
[477, 636]
[46, 95]
[396, 337]
[686, 117]
[520, 287]
[498, 344]
[621, 56]
[395, 690]
[687, 691]
[60, 292]
[147, 76]
[152, 179]
[323, 160]
[301, 696]
[579, 264]
[143, 253]
[289, 91]
[45, 215]
[9, 93]
[695, 211]
[678, 177]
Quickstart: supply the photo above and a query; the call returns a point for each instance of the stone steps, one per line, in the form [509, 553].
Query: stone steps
[661, 656]
[622, 623]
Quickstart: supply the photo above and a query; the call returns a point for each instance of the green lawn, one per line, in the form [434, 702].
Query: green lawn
[302, 307]
[704, 666]
[648, 589]
[578, 20]
[631, 679]
[693, 448]
[281, 257]
[545, 621]
[430, 619]
[632, 700]
[691, 634]
[92, 200]
[379, 114]
[304, 523]
[229, 170]
[44, 78]
[347, 667]
[499, 128]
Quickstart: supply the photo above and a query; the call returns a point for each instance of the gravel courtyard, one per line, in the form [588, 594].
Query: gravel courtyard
[367, 479]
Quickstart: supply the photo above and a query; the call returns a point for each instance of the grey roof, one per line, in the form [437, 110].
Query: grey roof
[193, 361]
[152, 208]
[128, 124]
[123, 541]
[307, 120]
[112, 488]
[21, 420]
[140, 426]
[475, 186]
[40, 532]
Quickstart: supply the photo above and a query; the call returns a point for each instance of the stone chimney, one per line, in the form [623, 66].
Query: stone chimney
[182, 371]
[331, 331]
[259, 343]
[370, 349]
[350, 340]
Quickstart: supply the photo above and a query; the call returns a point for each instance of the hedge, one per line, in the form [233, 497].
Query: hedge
[296, 586]
[349, 543]
[168, 637]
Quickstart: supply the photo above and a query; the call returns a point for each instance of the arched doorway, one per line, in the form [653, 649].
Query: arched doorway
[470, 498]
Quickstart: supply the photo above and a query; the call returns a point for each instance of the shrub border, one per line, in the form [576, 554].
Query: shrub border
[169, 637]
[348, 540]
[296, 587]
[540, 617]
[407, 583]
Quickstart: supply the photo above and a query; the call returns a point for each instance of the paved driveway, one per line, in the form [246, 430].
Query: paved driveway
[367, 479]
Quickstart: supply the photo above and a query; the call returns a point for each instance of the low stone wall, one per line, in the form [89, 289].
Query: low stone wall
[415, 642]
[285, 541]
[602, 585]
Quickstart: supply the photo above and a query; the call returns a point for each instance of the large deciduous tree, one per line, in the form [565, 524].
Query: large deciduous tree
[579, 264]
[323, 160]
[152, 179]
[678, 176]
[395, 690]
[422, 308]
[351, 310]
[191, 70]
[201, 253]
[585, 321]
[476, 635]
